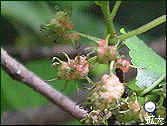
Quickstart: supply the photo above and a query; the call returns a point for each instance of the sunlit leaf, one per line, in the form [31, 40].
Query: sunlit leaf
[151, 66]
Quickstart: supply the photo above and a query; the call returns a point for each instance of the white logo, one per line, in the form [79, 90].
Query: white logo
[150, 107]
[150, 120]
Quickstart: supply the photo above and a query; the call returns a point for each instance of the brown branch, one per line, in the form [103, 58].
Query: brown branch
[18, 72]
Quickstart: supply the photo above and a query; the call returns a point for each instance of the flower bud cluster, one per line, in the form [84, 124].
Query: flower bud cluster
[72, 36]
[62, 26]
[130, 110]
[97, 117]
[106, 92]
[62, 21]
[73, 69]
[106, 53]
[123, 64]
[103, 95]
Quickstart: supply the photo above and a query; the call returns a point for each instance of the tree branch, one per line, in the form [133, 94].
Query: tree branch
[18, 72]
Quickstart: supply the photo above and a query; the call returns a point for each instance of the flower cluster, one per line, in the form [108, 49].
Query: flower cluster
[61, 21]
[106, 92]
[103, 95]
[96, 117]
[123, 64]
[72, 36]
[73, 69]
[106, 53]
[104, 98]
[62, 27]
[131, 111]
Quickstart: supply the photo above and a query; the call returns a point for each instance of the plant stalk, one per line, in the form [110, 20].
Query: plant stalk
[107, 18]
[88, 37]
[141, 29]
[115, 9]
[152, 86]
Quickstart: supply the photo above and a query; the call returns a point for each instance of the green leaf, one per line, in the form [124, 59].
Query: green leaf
[141, 100]
[143, 56]
[132, 86]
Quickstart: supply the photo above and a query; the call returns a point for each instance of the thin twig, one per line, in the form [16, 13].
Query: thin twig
[115, 9]
[142, 29]
[18, 72]
[107, 18]
[152, 86]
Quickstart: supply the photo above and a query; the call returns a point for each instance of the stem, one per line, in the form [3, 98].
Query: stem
[88, 36]
[141, 29]
[155, 92]
[164, 95]
[65, 85]
[57, 59]
[89, 80]
[118, 43]
[90, 60]
[152, 86]
[107, 38]
[107, 18]
[161, 100]
[115, 9]
[51, 80]
[66, 56]
[112, 67]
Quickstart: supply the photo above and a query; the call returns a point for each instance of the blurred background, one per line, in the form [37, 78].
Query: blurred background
[22, 39]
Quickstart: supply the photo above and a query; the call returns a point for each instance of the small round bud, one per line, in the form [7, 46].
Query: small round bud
[134, 105]
[73, 36]
[106, 54]
[123, 64]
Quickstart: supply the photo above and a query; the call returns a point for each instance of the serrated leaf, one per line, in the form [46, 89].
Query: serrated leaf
[144, 57]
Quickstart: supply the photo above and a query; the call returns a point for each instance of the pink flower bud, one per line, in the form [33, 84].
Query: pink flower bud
[123, 64]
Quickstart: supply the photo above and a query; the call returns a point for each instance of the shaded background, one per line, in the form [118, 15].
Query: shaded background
[21, 38]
